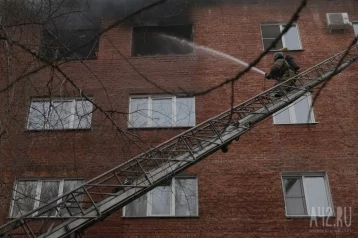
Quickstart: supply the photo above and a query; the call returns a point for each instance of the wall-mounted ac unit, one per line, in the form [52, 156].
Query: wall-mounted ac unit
[338, 21]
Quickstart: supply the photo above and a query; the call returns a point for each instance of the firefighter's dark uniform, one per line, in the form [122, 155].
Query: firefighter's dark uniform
[281, 71]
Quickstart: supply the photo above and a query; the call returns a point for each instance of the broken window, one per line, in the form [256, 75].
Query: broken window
[69, 44]
[153, 40]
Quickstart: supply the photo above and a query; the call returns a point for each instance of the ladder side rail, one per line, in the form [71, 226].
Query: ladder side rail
[326, 60]
[247, 102]
[297, 96]
[233, 135]
[169, 174]
[312, 70]
[283, 104]
[57, 199]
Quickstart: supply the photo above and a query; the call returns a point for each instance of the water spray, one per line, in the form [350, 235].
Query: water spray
[213, 52]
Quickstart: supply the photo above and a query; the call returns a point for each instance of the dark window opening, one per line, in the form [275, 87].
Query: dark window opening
[69, 44]
[150, 40]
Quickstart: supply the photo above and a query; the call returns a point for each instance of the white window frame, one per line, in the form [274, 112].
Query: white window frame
[282, 37]
[355, 32]
[303, 175]
[292, 113]
[54, 100]
[150, 99]
[38, 191]
[172, 200]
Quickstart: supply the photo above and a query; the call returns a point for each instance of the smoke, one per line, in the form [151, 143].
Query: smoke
[89, 13]
[86, 13]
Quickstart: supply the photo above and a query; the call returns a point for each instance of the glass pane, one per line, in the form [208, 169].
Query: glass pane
[25, 197]
[69, 185]
[71, 205]
[301, 108]
[282, 116]
[291, 39]
[162, 112]
[161, 200]
[295, 206]
[185, 112]
[185, 197]
[270, 31]
[355, 27]
[83, 114]
[293, 187]
[139, 112]
[317, 196]
[267, 43]
[61, 115]
[49, 191]
[38, 115]
[137, 208]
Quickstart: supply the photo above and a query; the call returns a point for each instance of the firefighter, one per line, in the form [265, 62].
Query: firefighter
[282, 70]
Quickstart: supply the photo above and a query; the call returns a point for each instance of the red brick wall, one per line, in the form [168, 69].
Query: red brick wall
[240, 192]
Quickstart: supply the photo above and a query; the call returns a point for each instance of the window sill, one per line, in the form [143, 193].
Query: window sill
[80, 59]
[161, 128]
[77, 60]
[298, 50]
[161, 217]
[296, 124]
[59, 130]
[308, 217]
[168, 55]
[41, 218]
[67, 60]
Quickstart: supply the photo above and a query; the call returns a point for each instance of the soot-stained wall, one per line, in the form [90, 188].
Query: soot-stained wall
[152, 40]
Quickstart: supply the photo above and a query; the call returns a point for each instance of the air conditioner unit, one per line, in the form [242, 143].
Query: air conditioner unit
[338, 21]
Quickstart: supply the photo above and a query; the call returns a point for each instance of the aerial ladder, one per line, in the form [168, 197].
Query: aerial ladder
[98, 198]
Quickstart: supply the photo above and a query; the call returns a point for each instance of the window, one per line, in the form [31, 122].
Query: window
[299, 112]
[161, 111]
[31, 194]
[176, 197]
[355, 28]
[291, 39]
[59, 114]
[66, 44]
[149, 40]
[307, 194]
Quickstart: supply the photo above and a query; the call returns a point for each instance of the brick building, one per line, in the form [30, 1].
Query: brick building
[269, 182]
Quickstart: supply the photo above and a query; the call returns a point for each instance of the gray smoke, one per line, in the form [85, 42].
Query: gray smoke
[82, 13]
[88, 13]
